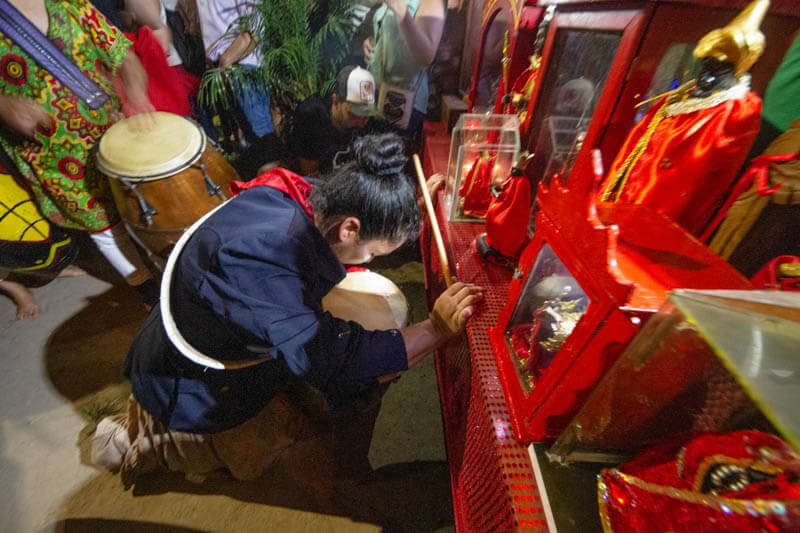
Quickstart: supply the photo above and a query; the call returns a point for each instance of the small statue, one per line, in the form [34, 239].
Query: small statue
[507, 216]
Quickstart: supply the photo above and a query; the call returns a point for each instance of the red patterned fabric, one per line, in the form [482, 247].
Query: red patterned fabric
[58, 163]
[741, 481]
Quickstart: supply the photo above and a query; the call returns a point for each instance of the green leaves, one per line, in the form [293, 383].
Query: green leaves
[301, 48]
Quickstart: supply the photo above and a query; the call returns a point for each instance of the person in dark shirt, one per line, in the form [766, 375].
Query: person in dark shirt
[244, 290]
[324, 127]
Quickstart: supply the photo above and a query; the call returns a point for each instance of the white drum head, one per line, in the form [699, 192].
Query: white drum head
[137, 150]
[370, 299]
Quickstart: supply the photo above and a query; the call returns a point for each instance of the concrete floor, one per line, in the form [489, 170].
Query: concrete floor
[62, 372]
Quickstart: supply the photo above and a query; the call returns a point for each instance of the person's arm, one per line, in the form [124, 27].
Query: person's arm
[241, 47]
[447, 319]
[134, 79]
[23, 115]
[148, 13]
[423, 31]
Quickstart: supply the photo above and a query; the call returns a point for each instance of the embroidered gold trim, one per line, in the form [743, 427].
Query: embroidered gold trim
[725, 505]
[690, 105]
[753, 464]
[615, 187]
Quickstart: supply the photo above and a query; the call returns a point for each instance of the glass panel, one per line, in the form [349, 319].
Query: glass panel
[483, 148]
[757, 335]
[549, 307]
[472, 38]
[579, 65]
[677, 66]
[708, 361]
[491, 68]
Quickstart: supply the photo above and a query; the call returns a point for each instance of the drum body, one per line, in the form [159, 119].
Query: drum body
[163, 177]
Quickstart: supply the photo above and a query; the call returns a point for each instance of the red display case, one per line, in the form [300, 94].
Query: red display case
[584, 285]
[496, 485]
[627, 51]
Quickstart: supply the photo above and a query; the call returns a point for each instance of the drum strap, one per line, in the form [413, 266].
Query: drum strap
[182, 345]
[24, 34]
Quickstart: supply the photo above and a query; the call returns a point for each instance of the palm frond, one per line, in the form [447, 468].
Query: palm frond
[296, 62]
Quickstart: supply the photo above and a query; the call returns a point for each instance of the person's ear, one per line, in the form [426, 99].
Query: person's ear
[349, 230]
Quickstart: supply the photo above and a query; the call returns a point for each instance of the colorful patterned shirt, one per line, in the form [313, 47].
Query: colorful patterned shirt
[59, 164]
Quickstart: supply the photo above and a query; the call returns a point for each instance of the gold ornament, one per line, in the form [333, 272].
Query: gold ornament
[740, 42]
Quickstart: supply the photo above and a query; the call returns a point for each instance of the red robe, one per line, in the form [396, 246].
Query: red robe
[690, 160]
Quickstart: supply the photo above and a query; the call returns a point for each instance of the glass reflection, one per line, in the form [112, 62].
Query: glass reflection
[580, 63]
[490, 71]
[549, 308]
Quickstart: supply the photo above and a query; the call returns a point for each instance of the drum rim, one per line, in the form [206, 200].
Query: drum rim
[160, 175]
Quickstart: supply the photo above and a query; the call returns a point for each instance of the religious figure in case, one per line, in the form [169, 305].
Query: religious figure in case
[682, 157]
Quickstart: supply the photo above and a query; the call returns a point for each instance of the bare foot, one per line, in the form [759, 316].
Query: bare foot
[26, 303]
[72, 271]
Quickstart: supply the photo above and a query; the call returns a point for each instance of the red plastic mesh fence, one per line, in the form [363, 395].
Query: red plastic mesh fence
[492, 478]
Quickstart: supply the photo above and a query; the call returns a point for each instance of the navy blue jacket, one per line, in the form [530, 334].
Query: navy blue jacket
[249, 284]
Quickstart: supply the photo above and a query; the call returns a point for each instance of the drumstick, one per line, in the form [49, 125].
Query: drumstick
[437, 235]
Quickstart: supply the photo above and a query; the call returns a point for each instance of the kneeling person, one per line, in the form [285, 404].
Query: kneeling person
[246, 291]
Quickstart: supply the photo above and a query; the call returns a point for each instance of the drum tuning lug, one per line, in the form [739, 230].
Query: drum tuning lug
[211, 187]
[148, 211]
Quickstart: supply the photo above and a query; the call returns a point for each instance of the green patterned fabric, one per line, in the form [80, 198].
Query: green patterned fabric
[59, 164]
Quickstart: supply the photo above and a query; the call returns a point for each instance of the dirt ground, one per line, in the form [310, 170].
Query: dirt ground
[63, 373]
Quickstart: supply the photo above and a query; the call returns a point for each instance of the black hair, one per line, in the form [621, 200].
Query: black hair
[374, 188]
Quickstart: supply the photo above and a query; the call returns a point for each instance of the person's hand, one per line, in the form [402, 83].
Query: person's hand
[433, 184]
[369, 46]
[138, 104]
[399, 7]
[24, 116]
[142, 123]
[454, 306]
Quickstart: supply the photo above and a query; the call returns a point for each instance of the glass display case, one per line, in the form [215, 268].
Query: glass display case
[560, 140]
[548, 310]
[569, 96]
[483, 148]
[490, 69]
[584, 286]
[709, 361]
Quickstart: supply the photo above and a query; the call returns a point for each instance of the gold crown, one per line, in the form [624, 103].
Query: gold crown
[740, 42]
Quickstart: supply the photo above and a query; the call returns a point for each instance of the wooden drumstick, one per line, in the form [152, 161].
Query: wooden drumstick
[437, 235]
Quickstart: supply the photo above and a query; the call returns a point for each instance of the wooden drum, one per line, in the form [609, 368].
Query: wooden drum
[370, 299]
[164, 176]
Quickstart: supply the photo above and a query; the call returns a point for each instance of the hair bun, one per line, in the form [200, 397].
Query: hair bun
[381, 155]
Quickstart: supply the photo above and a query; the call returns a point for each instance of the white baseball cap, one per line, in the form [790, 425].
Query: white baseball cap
[356, 86]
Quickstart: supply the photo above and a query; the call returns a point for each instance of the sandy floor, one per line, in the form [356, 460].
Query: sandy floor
[62, 371]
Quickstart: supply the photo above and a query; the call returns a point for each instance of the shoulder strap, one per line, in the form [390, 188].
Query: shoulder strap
[19, 29]
[182, 345]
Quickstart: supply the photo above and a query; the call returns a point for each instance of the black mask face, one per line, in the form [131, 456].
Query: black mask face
[714, 76]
